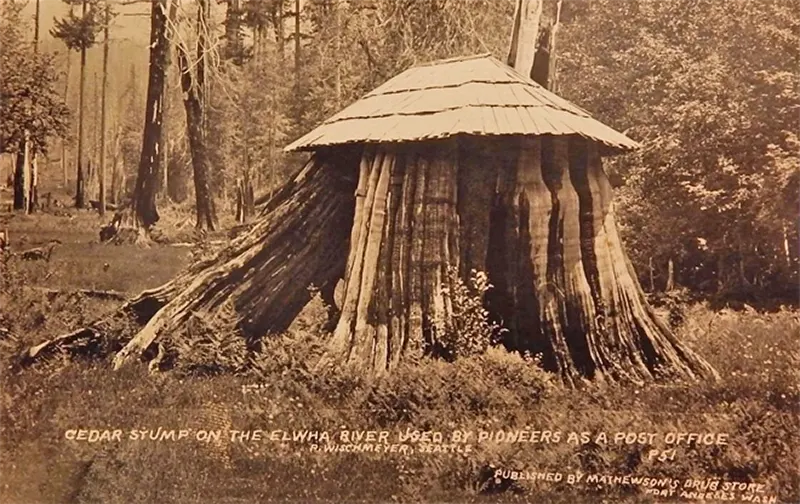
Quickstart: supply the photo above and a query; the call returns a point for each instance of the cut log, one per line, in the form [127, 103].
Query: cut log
[102, 334]
[90, 293]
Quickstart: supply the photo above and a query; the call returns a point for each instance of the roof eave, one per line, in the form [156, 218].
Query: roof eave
[302, 145]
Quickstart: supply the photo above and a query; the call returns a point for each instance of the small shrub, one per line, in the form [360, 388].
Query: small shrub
[468, 331]
[209, 346]
[674, 303]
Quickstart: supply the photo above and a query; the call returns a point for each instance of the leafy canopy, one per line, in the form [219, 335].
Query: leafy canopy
[28, 98]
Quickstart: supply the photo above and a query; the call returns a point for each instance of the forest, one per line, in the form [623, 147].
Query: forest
[720, 209]
[142, 151]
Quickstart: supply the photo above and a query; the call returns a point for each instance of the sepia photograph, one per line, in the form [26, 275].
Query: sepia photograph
[399, 251]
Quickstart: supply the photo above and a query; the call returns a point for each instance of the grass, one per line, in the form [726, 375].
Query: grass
[756, 404]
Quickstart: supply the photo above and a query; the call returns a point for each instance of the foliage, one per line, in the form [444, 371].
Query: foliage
[755, 404]
[468, 330]
[28, 98]
[79, 32]
[712, 94]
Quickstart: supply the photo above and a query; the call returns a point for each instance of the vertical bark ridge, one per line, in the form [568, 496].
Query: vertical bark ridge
[605, 345]
[342, 341]
[437, 224]
[431, 252]
[501, 259]
[531, 201]
[477, 178]
[391, 286]
[650, 347]
[401, 257]
[416, 300]
[535, 215]
[361, 193]
[365, 329]
[560, 259]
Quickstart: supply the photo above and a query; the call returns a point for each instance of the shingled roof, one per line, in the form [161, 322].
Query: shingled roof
[476, 95]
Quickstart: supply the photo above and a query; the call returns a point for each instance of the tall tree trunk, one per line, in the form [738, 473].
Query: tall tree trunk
[64, 164]
[298, 85]
[33, 185]
[33, 188]
[92, 167]
[524, 34]
[36, 17]
[338, 22]
[80, 184]
[233, 35]
[165, 100]
[22, 176]
[280, 40]
[192, 84]
[148, 175]
[102, 166]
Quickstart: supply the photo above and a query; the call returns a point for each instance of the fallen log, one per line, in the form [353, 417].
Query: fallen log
[90, 293]
[100, 333]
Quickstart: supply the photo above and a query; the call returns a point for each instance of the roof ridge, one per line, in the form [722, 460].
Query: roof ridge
[486, 55]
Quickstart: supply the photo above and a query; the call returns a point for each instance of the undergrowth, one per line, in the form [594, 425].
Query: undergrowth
[756, 404]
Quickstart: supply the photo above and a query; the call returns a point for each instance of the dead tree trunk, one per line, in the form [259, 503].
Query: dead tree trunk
[148, 175]
[526, 29]
[20, 182]
[80, 184]
[102, 193]
[192, 91]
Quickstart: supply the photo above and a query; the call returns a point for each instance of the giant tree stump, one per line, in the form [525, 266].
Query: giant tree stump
[537, 214]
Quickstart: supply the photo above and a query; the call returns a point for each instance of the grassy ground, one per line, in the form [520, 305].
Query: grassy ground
[756, 405]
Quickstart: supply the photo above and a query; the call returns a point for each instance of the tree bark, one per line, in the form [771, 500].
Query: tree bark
[524, 34]
[403, 244]
[147, 177]
[264, 275]
[64, 164]
[102, 196]
[22, 177]
[300, 239]
[192, 92]
[670, 276]
[233, 36]
[574, 295]
[80, 184]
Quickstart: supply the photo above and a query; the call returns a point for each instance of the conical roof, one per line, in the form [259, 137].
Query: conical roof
[476, 95]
